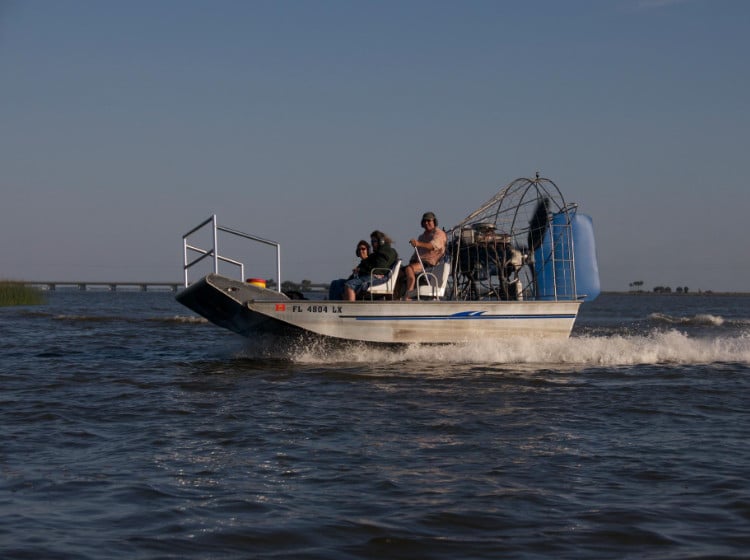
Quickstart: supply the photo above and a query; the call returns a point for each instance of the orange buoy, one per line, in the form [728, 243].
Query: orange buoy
[257, 282]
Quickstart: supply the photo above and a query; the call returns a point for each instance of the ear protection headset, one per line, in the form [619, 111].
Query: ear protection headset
[429, 216]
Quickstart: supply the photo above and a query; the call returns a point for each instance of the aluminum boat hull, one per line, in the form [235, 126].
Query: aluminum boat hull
[250, 310]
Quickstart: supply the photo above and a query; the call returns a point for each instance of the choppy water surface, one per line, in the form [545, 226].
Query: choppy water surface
[129, 428]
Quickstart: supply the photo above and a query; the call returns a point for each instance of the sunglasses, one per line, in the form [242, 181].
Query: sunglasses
[360, 249]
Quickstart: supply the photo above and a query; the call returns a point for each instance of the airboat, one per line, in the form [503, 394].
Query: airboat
[521, 265]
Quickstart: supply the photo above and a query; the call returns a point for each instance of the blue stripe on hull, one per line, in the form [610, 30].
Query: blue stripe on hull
[455, 317]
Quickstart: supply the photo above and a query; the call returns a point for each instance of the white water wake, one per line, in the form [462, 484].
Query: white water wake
[699, 319]
[662, 347]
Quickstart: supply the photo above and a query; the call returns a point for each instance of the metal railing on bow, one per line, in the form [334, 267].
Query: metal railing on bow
[212, 252]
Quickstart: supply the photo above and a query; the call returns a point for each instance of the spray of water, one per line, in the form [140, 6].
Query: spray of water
[700, 319]
[657, 347]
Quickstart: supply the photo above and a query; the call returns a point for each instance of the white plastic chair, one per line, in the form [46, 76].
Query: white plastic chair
[386, 285]
[437, 280]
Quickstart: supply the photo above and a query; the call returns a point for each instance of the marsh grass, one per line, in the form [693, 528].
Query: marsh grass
[17, 293]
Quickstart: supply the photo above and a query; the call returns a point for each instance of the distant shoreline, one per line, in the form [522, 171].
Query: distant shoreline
[676, 294]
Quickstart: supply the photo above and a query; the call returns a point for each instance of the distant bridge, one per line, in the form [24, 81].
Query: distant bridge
[130, 286]
[112, 286]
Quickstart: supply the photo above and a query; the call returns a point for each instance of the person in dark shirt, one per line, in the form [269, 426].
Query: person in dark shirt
[383, 256]
[336, 289]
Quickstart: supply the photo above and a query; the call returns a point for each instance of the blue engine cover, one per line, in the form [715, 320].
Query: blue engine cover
[587, 267]
[554, 271]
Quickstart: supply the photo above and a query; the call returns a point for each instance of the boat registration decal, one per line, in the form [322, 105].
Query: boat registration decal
[310, 308]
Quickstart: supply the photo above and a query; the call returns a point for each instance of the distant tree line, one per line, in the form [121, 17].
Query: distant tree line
[637, 286]
[668, 290]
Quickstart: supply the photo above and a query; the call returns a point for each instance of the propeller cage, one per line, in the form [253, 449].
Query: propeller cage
[516, 246]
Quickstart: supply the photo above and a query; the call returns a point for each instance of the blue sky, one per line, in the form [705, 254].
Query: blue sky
[124, 124]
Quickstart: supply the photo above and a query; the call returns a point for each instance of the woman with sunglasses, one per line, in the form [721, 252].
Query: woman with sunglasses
[383, 256]
[336, 289]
